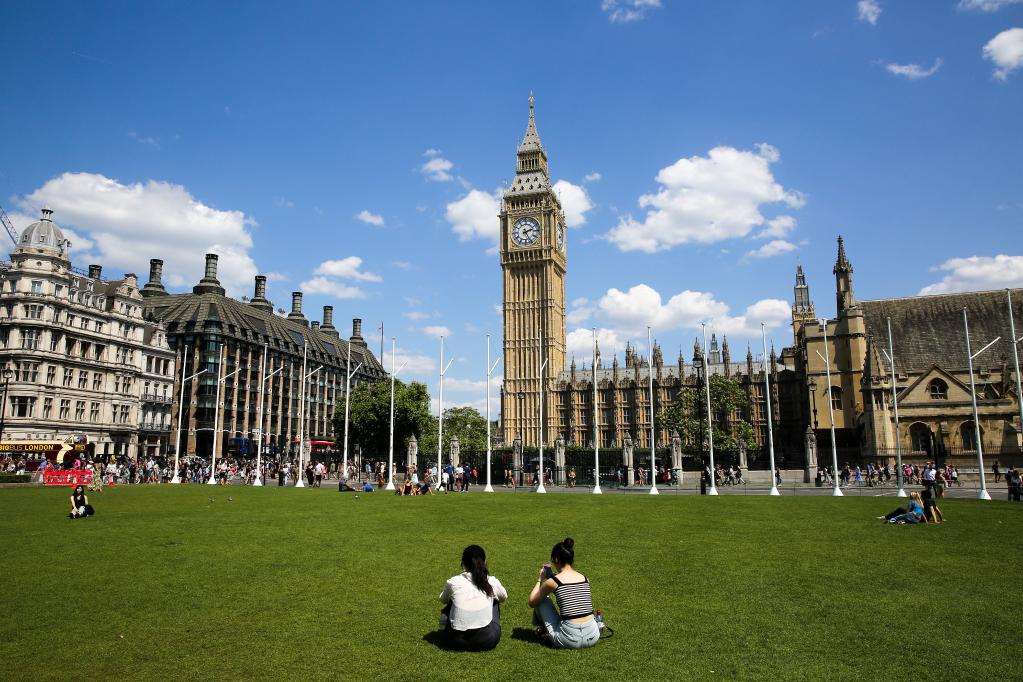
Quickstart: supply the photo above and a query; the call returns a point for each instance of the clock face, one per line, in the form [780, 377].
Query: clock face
[525, 231]
[561, 237]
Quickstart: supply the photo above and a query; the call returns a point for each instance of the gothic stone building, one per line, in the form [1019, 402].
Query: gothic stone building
[81, 357]
[225, 337]
[932, 378]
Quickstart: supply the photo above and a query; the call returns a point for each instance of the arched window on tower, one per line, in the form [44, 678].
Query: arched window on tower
[939, 390]
[836, 397]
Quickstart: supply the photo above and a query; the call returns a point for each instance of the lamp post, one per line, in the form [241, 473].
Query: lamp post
[596, 422]
[983, 495]
[181, 410]
[837, 492]
[262, 387]
[653, 445]
[216, 415]
[770, 414]
[710, 426]
[490, 371]
[440, 418]
[542, 364]
[8, 373]
[390, 451]
[299, 480]
[890, 354]
[348, 386]
[811, 385]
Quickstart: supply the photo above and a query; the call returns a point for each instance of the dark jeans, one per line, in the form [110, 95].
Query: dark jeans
[898, 512]
[480, 639]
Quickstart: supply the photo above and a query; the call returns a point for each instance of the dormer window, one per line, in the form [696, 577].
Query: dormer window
[939, 390]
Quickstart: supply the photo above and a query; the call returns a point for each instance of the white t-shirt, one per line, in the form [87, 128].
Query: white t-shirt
[471, 608]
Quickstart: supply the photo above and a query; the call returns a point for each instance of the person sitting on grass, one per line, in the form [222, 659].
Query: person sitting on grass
[80, 507]
[471, 617]
[571, 625]
[406, 487]
[367, 487]
[914, 513]
[931, 512]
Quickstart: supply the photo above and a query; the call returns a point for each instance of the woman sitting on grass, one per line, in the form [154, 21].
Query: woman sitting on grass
[914, 513]
[571, 625]
[80, 507]
[471, 619]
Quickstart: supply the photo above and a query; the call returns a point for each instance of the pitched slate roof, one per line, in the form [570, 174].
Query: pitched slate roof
[928, 330]
[255, 325]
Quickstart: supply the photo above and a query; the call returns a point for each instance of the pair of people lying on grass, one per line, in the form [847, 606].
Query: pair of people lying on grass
[921, 509]
[471, 618]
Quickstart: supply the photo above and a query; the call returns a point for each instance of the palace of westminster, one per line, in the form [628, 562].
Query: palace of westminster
[113, 360]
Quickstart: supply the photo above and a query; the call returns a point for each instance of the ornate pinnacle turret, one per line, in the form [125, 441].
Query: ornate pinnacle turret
[842, 264]
[531, 140]
[596, 355]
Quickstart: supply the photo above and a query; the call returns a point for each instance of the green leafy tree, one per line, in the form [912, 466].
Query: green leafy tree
[466, 422]
[369, 414]
[729, 402]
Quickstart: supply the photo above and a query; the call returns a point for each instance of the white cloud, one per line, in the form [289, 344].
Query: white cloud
[436, 330]
[592, 177]
[978, 273]
[777, 227]
[986, 5]
[369, 218]
[574, 201]
[415, 363]
[432, 152]
[416, 315]
[775, 247]
[437, 168]
[1006, 51]
[581, 310]
[627, 11]
[331, 287]
[284, 202]
[580, 343]
[147, 140]
[869, 11]
[346, 268]
[403, 265]
[466, 385]
[131, 223]
[706, 199]
[474, 216]
[914, 71]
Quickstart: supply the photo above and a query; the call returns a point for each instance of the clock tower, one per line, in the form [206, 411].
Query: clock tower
[533, 265]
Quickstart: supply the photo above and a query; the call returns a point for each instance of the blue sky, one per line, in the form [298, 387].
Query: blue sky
[354, 151]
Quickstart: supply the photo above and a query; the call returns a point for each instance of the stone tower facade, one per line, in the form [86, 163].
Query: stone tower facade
[533, 247]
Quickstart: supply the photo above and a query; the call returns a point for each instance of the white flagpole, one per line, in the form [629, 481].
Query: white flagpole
[983, 495]
[390, 449]
[490, 371]
[216, 417]
[837, 492]
[770, 414]
[181, 411]
[710, 422]
[542, 364]
[895, 406]
[300, 474]
[1015, 356]
[596, 422]
[653, 445]
[259, 411]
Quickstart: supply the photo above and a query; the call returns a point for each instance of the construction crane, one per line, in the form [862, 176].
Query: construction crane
[7, 226]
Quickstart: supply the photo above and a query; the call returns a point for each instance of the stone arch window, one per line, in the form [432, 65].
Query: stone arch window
[939, 389]
[920, 436]
[836, 397]
[968, 436]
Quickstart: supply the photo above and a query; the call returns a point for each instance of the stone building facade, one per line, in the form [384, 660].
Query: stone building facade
[228, 338]
[82, 357]
[931, 373]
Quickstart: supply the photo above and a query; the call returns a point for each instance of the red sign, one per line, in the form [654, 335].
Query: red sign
[60, 477]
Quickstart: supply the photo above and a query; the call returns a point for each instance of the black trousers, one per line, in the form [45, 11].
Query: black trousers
[480, 639]
[89, 511]
[898, 512]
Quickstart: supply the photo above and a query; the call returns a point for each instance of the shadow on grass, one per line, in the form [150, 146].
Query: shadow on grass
[530, 636]
[439, 640]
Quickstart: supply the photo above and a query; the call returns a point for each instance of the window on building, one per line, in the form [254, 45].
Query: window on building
[54, 341]
[968, 436]
[65, 409]
[34, 312]
[79, 410]
[69, 376]
[22, 406]
[920, 435]
[58, 290]
[98, 326]
[37, 286]
[51, 375]
[83, 379]
[47, 408]
[93, 412]
[97, 381]
[29, 339]
[836, 397]
[125, 413]
[100, 351]
[939, 390]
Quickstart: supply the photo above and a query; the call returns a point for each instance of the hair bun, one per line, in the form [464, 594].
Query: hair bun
[569, 543]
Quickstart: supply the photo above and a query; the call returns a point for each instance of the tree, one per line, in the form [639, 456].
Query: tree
[729, 403]
[369, 414]
[465, 422]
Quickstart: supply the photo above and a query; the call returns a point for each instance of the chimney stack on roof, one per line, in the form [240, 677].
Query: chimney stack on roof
[315, 324]
[209, 284]
[296, 309]
[328, 320]
[154, 287]
[259, 300]
[357, 332]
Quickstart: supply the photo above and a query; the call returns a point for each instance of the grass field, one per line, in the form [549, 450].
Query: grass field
[303, 584]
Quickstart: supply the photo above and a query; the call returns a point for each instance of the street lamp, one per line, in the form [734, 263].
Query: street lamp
[348, 390]
[262, 387]
[490, 371]
[653, 451]
[181, 410]
[596, 422]
[890, 355]
[710, 426]
[390, 451]
[770, 415]
[8, 373]
[440, 418]
[542, 364]
[812, 386]
[216, 416]
[299, 482]
[837, 492]
[984, 495]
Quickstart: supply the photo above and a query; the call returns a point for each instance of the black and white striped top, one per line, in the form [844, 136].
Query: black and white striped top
[574, 599]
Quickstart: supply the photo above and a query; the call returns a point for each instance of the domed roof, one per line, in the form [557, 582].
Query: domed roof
[44, 233]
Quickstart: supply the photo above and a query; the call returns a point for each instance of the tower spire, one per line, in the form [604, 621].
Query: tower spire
[531, 140]
[843, 279]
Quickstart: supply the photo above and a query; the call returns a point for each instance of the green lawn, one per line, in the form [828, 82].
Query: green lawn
[284, 583]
